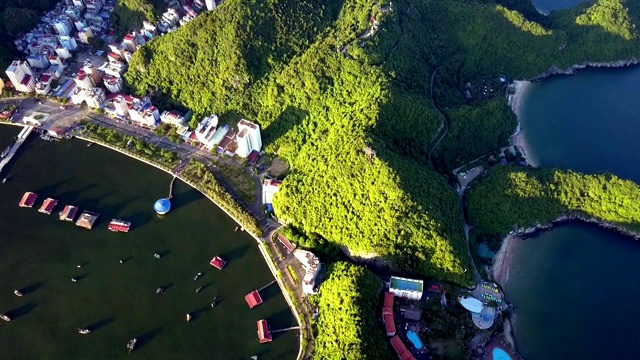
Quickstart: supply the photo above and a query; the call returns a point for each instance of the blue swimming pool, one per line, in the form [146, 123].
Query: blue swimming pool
[499, 354]
[414, 339]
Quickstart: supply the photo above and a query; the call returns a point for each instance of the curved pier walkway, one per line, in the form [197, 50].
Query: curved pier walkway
[24, 134]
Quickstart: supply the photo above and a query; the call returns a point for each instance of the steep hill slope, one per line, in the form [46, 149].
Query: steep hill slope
[341, 90]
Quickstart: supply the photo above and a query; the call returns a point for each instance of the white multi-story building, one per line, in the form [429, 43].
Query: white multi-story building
[205, 130]
[79, 4]
[129, 43]
[94, 97]
[21, 76]
[147, 117]
[73, 12]
[112, 83]
[63, 52]
[171, 17]
[248, 138]
[38, 61]
[211, 4]
[311, 265]
[113, 68]
[44, 85]
[62, 25]
[55, 60]
[80, 24]
[83, 80]
[68, 42]
[173, 118]
[94, 5]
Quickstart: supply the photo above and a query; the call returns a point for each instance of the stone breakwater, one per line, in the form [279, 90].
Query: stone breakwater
[574, 68]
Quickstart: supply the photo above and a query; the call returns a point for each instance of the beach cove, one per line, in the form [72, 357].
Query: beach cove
[569, 285]
[119, 300]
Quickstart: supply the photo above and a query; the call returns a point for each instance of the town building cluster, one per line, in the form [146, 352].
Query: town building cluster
[74, 22]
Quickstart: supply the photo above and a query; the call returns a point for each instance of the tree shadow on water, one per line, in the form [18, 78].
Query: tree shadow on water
[184, 199]
[21, 311]
[236, 253]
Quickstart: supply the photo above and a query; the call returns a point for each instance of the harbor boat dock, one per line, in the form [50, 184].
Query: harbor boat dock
[28, 199]
[22, 136]
[48, 205]
[68, 213]
[87, 219]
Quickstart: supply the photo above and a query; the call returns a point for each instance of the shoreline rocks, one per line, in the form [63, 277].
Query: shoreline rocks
[554, 70]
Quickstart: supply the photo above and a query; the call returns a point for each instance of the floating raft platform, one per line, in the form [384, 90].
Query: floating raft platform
[253, 299]
[87, 219]
[28, 199]
[48, 205]
[217, 262]
[68, 213]
[119, 225]
[264, 334]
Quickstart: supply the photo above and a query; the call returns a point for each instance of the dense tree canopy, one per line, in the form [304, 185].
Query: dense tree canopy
[516, 197]
[341, 89]
[129, 14]
[346, 326]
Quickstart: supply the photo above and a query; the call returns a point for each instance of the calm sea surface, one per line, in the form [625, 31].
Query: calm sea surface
[39, 254]
[575, 287]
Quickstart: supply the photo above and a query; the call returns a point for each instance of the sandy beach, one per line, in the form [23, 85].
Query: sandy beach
[502, 260]
[518, 138]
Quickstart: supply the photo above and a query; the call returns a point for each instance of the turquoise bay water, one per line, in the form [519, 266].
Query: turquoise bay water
[499, 354]
[546, 6]
[575, 286]
[39, 254]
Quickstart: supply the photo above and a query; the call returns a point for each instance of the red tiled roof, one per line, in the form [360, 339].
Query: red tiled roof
[28, 199]
[388, 299]
[389, 324]
[253, 299]
[398, 346]
[263, 331]
[286, 243]
[45, 77]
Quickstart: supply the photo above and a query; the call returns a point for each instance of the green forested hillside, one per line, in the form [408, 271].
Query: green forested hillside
[129, 14]
[351, 111]
[515, 197]
[346, 303]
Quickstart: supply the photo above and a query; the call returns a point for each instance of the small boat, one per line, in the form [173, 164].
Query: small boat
[4, 180]
[131, 344]
[198, 289]
[74, 279]
[159, 290]
[213, 302]
[5, 317]
[156, 255]
[84, 331]
[17, 292]
[237, 228]
[89, 144]
[5, 152]
[197, 276]
[188, 317]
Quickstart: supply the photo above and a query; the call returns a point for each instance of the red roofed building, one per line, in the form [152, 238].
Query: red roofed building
[217, 262]
[253, 299]
[388, 299]
[400, 349]
[264, 335]
[389, 321]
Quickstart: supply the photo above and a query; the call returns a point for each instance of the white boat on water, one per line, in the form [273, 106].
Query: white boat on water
[5, 152]
[84, 331]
